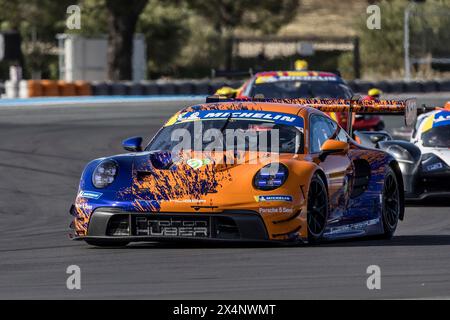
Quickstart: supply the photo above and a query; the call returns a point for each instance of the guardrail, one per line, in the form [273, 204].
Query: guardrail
[49, 88]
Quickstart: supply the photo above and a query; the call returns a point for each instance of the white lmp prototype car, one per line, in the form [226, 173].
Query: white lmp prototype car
[425, 160]
[432, 137]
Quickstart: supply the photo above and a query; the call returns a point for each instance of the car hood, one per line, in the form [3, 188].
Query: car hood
[195, 180]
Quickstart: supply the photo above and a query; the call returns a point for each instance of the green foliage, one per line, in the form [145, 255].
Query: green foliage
[166, 30]
[382, 50]
[184, 37]
[43, 18]
[203, 51]
[265, 16]
[430, 25]
[94, 18]
[345, 65]
[38, 22]
[225, 16]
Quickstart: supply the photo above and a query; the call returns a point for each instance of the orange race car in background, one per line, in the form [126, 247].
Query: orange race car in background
[270, 170]
[305, 84]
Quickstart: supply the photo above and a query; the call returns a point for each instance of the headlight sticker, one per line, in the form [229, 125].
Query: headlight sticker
[90, 195]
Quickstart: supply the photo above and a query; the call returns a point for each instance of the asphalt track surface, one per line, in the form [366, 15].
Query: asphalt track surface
[42, 153]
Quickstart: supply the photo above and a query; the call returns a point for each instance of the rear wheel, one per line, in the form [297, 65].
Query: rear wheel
[391, 204]
[317, 209]
[107, 243]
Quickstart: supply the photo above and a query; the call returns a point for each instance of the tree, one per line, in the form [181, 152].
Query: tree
[227, 15]
[166, 31]
[38, 22]
[122, 21]
[383, 49]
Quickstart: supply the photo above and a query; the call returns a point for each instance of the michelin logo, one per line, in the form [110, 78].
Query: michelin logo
[250, 115]
[281, 198]
[90, 195]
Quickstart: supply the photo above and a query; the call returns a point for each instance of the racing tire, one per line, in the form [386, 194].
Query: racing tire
[317, 215]
[106, 243]
[391, 206]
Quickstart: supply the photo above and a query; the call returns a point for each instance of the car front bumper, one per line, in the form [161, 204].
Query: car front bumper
[230, 226]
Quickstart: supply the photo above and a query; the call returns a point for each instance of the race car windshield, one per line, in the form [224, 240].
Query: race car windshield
[301, 89]
[226, 134]
[438, 137]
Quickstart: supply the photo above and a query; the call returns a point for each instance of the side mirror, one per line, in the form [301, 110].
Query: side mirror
[133, 144]
[332, 147]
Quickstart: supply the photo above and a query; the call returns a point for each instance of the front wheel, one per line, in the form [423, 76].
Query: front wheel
[317, 209]
[391, 204]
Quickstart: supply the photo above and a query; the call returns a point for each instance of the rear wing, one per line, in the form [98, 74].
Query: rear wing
[231, 73]
[406, 108]
[425, 109]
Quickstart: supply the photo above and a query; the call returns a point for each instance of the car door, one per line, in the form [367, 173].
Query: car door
[337, 167]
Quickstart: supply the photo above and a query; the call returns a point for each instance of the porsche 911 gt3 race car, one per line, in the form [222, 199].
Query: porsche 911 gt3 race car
[272, 170]
[425, 161]
[302, 84]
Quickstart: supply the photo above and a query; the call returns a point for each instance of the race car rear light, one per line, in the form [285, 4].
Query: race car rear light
[271, 177]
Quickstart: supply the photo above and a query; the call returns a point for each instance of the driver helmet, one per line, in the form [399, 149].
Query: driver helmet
[301, 65]
[374, 93]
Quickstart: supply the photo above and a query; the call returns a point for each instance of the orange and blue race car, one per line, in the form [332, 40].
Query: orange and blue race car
[278, 171]
[306, 85]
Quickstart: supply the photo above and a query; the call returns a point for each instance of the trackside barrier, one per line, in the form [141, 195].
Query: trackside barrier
[50, 88]
[66, 89]
[83, 88]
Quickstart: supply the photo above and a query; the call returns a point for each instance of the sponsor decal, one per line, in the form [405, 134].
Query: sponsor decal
[197, 163]
[172, 227]
[435, 166]
[356, 227]
[277, 198]
[294, 78]
[84, 206]
[275, 117]
[276, 210]
[194, 201]
[439, 119]
[188, 116]
[90, 195]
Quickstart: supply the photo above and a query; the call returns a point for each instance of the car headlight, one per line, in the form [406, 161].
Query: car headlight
[104, 174]
[271, 177]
